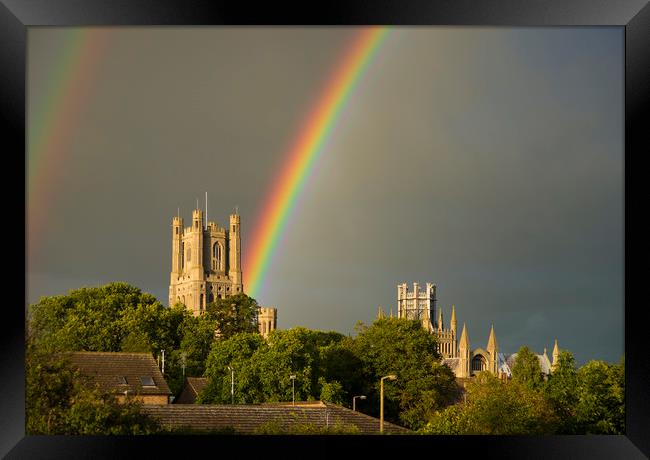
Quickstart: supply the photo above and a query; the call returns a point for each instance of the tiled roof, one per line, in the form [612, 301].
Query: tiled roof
[193, 386]
[197, 384]
[452, 363]
[108, 369]
[246, 418]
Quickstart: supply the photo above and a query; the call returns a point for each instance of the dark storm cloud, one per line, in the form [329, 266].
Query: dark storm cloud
[488, 161]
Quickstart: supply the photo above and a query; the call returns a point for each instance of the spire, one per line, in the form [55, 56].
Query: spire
[464, 338]
[440, 325]
[453, 319]
[380, 313]
[391, 311]
[556, 354]
[492, 341]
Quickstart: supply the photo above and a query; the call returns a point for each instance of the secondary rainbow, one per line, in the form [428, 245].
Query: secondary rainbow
[304, 153]
[53, 121]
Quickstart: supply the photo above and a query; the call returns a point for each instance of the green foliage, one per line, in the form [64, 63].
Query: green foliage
[526, 369]
[402, 347]
[234, 315]
[136, 342]
[561, 390]
[337, 428]
[262, 368]
[601, 404]
[236, 352]
[331, 391]
[105, 318]
[496, 408]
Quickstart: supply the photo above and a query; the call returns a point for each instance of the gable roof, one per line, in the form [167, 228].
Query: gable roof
[193, 386]
[197, 384]
[246, 418]
[121, 372]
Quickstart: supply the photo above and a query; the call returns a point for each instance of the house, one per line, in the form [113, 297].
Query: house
[123, 374]
[252, 418]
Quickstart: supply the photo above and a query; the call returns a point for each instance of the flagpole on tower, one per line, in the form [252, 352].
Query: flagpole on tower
[206, 210]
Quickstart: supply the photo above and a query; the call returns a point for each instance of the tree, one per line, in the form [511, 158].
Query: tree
[263, 367]
[236, 352]
[496, 408]
[331, 391]
[526, 369]
[234, 314]
[402, 347]
[561, 390]
[601, 398]
[104, 318]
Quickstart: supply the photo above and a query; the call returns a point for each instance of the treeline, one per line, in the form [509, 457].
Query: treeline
[326, 366]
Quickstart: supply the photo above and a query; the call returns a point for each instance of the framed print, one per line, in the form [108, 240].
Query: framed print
[338, 168]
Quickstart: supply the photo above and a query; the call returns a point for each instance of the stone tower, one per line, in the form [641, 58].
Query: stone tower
[206, 262]
[267, 320]
[418, 304]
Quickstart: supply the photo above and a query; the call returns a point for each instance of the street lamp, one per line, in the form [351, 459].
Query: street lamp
[232, 385]
[354, 407]
[293, 389]
[381, 404]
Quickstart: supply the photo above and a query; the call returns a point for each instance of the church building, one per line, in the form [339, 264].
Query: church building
[421, 304]
[206, 265]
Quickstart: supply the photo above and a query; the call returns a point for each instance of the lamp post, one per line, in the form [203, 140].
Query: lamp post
[381, 404]
[232, 385]
[293, 389]
[354, 407]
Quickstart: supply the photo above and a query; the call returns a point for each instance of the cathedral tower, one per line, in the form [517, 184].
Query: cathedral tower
[418, 304]
[206, 262]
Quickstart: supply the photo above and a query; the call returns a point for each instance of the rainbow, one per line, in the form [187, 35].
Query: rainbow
[304, 153]
[54, 120]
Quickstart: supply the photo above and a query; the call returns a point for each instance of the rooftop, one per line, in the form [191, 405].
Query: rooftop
[136, 373]
[247, 418]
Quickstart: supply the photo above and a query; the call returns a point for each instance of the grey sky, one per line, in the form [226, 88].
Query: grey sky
[488, 161]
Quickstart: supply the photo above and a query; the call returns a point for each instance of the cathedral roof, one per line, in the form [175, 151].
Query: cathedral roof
[544, 362]
[452, 363]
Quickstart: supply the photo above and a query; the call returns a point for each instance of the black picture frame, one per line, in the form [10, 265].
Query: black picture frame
[17, 15]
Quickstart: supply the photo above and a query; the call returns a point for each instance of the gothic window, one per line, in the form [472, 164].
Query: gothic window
[189, 254]
[478, 363]
[201, 302]
[211, 298]
[216, 256]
